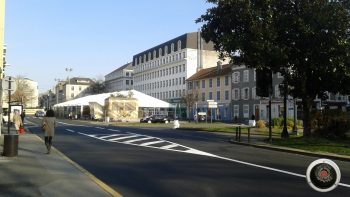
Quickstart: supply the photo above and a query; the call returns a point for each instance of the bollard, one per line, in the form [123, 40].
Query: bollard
[236, 133]
[10, 145]
[248, 134]
[239, 133]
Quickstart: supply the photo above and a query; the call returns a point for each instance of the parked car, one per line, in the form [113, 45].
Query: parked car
[146, 118]
[160, 119]
[39, 113]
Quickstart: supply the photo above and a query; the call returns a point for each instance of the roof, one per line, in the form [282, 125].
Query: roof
[210, 72]
[144, 100]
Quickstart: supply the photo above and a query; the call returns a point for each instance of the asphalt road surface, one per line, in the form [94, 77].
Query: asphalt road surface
[166, 162]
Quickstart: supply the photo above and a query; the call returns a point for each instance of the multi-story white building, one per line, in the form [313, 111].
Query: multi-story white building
[120, 79]
[161, 71]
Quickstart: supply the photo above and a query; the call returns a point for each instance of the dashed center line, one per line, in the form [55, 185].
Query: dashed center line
[72, 131]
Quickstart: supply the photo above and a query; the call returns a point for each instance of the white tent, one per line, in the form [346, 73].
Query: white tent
[145, 101]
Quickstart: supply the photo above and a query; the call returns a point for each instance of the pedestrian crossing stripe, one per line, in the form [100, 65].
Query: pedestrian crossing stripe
[146, 141]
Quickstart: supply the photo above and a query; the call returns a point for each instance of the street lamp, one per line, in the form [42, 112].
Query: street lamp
[69, 70]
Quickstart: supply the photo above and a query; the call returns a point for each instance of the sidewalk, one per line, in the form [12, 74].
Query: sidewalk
[35, 173]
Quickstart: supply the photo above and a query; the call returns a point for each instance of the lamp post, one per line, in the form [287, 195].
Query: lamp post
[69, 70]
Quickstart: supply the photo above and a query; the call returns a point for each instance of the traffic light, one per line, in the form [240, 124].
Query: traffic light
[263, 82]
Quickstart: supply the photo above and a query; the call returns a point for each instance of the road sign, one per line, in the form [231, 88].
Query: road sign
[212, 105]
[5, 83]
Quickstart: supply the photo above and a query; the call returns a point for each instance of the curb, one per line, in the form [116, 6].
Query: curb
[100, 183]
[293, 150]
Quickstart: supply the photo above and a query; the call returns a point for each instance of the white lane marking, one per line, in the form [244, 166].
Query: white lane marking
[107, 136]
[113, 130]
[344, 185]
[125, 137]
[72, 131]
[150, 143]
[169, 146]
[140, 139]
[74, 125]
[99, 128]
[202, 153]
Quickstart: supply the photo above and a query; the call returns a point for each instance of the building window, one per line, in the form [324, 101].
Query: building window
[179, 68]
[210, 83]
[183, 80]
[203, 83]
[160, 52]
[246, 111]
[277, 91]
[245, 93]
[218, 82]
[179, 45]
[166, 50]
[203, 96]
[235, 77]
[79, 88]
[183, 68]
[218, 96]
[197, 84]
[246, 76]
[236, 94]
[172, 47]
[236, 111]
[72, 88]
[226, 95]
[72, 95]
[226, 80]
[210, 95]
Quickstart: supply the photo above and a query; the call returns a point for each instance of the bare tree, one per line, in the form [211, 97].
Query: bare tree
[189, 100]
[24, 92]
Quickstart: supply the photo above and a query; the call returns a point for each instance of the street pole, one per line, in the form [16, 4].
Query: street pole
[9, 107]
[295, 127]
[284, 133]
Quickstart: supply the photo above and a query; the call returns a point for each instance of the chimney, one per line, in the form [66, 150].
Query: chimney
[219, 66]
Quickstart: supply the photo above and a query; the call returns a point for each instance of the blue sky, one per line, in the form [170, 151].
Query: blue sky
[93, 37]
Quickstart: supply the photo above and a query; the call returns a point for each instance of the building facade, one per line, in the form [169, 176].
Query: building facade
[73, 88]
[212, 84]
[246, 103]
[120, 79]
[161, 71]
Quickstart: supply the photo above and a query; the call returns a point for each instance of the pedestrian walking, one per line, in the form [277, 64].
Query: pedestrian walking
[23, 115]
[17, 120]
[50, 121]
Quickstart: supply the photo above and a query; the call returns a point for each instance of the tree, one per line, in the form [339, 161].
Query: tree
[24, 92]
[189, 100]
[98, 87]
[306, 41]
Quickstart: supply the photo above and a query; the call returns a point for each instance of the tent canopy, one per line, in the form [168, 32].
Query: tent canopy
[143, 99]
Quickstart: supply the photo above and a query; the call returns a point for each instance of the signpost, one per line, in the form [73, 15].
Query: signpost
[10, 140]
[212, 104]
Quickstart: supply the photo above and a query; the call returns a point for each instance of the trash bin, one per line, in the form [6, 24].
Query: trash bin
[10, 145]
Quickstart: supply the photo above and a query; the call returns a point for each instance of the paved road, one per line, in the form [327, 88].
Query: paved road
[163, 162]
